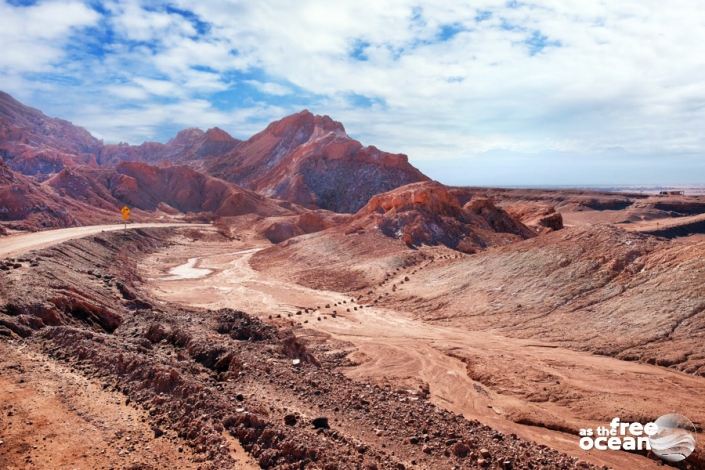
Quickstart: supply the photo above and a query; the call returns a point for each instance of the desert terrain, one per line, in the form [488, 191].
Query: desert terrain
[298, 300]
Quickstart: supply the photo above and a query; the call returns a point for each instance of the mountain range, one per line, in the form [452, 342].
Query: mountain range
[301, 174]
[303, 159]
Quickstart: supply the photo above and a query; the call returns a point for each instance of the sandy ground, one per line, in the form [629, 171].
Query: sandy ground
[52, 417]
[390, 344]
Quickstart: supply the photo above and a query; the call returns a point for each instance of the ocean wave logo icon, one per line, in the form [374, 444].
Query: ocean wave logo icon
[675, 439]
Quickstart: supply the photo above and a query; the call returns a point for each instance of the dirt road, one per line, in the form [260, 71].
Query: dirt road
[536, 390]
[16, 244]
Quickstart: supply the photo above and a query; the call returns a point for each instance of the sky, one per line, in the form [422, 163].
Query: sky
[480, 93]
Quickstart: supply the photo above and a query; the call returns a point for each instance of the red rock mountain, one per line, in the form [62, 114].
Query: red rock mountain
[304, 159]
[189, 146]
[34, 144]
[311, 161]
[27, 205]
[175, 189]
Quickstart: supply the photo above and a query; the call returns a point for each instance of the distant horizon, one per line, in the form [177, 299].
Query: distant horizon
[689, 189]
[598, 186]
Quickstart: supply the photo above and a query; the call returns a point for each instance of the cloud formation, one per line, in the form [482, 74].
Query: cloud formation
[435, 80]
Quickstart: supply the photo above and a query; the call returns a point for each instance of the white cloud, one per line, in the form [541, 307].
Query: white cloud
[32, 37]
[270, 88]
[157, 87]
[139, 124]
[127, 92]
[550, 75]
[604, 86]
[136, 23]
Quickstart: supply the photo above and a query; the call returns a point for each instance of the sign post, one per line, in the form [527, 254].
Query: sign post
[125, 215]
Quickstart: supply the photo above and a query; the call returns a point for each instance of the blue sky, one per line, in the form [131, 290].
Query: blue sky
[484, 92]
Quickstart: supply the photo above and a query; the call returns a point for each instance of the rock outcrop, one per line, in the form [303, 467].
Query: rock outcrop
[398, 228]
[427, 213]
[279, 229]
[541, 217]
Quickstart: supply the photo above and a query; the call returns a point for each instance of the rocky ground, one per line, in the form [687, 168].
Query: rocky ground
[154, 385]
[354, 347]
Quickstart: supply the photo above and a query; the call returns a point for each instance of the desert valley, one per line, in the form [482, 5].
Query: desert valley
[299, 300]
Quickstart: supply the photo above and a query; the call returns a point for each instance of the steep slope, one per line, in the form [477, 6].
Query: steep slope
[310, 160]
[172, 189]
[88, 185]
[35, 144]
[27, 205]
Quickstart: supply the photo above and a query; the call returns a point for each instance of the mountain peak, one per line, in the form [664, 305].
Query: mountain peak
[217, 134]
[304, 122]
[186, 136]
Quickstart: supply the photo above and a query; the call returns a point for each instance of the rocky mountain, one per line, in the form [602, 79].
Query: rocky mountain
[310, 160]
[189, 146]
[27, 205]
[175, 189]
[34, 144]
[304, 159]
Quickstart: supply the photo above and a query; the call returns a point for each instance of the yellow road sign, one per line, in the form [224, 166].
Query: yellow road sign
[125, 210]
[125, 216]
